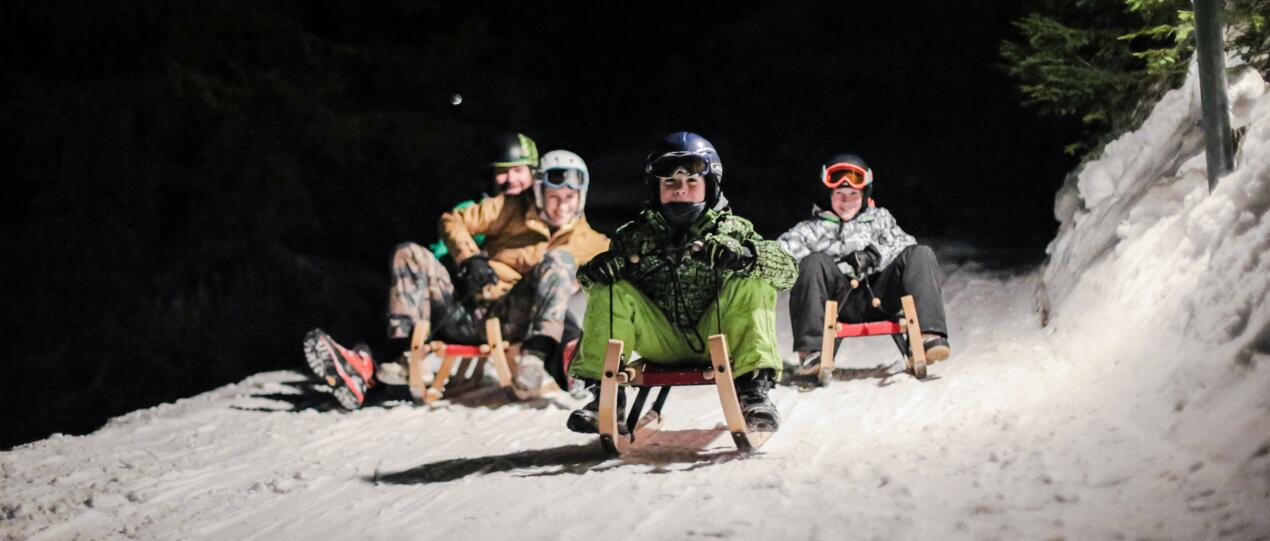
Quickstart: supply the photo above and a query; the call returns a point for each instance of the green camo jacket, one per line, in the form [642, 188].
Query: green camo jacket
[658, 261]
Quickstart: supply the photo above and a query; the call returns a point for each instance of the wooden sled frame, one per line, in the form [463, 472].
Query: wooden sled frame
[646, 376]
[907, 325]
[471, 360]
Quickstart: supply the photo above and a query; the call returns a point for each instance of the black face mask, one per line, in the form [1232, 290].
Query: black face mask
[680, 214]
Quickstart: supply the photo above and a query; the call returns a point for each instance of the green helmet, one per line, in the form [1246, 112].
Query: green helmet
[512, 149]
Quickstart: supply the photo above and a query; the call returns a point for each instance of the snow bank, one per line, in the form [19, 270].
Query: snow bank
[1156, 289]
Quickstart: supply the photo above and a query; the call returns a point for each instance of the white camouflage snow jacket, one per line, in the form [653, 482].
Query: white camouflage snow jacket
[825, 232]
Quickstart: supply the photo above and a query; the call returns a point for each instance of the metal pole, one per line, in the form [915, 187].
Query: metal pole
[1211, 56]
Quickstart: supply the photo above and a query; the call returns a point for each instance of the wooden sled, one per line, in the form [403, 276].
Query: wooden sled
[907, 325]
[471, 360]
[645, 377]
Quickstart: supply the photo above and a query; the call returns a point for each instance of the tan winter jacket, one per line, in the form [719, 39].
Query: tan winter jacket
[516, 238]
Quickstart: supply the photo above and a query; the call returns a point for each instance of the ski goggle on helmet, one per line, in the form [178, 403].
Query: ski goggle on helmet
[846, 173]
[564, 178]
[671, 164]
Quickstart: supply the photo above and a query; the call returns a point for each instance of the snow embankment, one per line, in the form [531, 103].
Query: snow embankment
[1156, 289]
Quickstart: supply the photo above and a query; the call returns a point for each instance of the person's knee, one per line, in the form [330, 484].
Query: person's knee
[815, 262]
[920, 252]
[557, 258]
[408, 252]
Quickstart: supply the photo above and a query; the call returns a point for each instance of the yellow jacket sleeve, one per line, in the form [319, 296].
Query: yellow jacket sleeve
[458, 226]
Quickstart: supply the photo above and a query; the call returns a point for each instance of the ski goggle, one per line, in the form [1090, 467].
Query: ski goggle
[853, 175]
[564, 178]
[670, 164]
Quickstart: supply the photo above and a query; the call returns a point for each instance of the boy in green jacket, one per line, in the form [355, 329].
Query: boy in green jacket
[680, 272]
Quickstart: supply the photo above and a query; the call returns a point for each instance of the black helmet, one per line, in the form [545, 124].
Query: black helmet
[850, 169]
[687, 150]
[513, 149]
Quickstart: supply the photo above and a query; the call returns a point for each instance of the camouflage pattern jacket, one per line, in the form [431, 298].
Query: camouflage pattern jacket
[826, 233]
[659, 262]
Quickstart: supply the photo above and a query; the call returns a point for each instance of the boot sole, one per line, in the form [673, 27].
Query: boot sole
[323, 360]
[581, 425]
[530, 378]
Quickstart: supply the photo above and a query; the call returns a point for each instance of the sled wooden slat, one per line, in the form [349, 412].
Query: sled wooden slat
[745, 439]
[824, 374]
[461, 375]
[917, 359]
[462, 350]
[876, 328]
[610, 438]
[415, 361]
[650, 375]
[439, 380]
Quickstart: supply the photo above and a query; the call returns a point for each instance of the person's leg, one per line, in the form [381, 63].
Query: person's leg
[553, 285]
[420, 291]
[556, 363]
[746, 312]
[638, 323]
[819, 280]
[622, 312]
[534, 311]
[914, 272]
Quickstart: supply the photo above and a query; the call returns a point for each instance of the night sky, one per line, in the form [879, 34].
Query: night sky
[198, 183]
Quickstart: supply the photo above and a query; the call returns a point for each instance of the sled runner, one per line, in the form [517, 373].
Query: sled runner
[471, 360]
[910, 344]
[645, 377]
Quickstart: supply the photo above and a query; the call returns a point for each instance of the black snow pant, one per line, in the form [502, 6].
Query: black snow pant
[914, 272]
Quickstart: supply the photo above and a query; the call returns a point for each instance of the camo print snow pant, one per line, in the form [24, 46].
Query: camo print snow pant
[422, 291]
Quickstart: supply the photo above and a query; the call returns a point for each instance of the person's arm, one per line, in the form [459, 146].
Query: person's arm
[460, 225]
[586, 242]
[605, 267]
[888, 238]
[771, 263]
[800, 239]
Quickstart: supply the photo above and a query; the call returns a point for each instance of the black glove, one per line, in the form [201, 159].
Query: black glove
[725, 253]
[864, 262]
[475, 273]
[604, 269]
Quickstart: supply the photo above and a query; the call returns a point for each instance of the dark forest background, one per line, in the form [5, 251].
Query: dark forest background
[194, 184]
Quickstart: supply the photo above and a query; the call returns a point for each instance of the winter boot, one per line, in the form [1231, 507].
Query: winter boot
[936, 347]
[760, 413]
[531, 369]
[587, 419]
[349, 372]
[396, 372]
[809, 365]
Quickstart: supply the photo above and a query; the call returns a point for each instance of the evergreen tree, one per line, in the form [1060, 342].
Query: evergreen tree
[1104, 62]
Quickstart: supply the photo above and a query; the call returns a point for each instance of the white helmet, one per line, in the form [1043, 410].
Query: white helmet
[561, 168]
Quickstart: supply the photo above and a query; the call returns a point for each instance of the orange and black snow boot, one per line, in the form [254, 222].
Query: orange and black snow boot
[349, 372]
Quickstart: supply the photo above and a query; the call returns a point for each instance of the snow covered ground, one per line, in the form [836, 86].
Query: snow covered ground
[1141, 411]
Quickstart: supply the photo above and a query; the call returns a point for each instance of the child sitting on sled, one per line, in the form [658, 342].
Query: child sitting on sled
[850, 239]
[680, 272]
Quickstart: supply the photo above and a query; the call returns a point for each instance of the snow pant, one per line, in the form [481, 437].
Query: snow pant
[422, 291]
[745, 312]
[914, 272]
